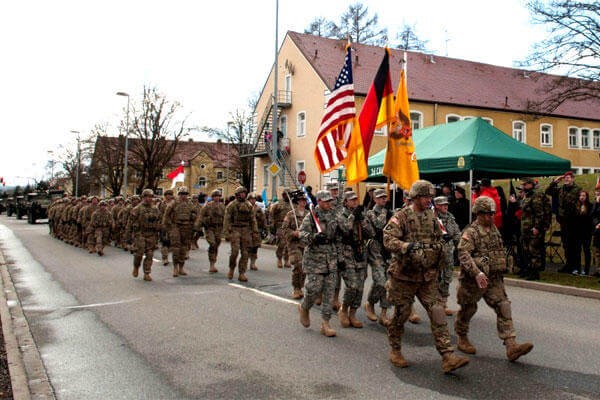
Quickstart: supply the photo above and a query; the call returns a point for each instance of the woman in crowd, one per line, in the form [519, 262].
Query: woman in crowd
[583, 235]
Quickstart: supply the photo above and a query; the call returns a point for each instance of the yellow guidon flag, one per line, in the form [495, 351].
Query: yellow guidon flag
[400, 162]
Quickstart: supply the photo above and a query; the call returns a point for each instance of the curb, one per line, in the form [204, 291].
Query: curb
[553, 288]
[27, 372]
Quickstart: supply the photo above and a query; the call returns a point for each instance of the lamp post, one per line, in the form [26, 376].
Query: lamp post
[229, 124]
[78, 162]
[126, 142]
[274, 138]
[51, 154]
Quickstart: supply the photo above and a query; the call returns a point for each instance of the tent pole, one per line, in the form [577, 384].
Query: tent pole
[470, 195]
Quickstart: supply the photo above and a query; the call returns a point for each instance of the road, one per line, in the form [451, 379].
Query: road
[103, 334]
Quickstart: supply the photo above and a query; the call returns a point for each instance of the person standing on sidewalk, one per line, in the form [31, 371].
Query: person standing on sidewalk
[291, 231]
[211, 219]
[483, 262]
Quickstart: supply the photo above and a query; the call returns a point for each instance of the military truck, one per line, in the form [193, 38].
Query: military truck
[38, 203]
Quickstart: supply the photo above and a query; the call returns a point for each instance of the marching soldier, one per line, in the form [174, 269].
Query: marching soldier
[211, 219]
[118, 231]
[146, 224]
[483, 262]
[197, 208]
[319, 236]
[338, 205]
[90, 241]
[277, 214]
[378, 258]
[291, 231]
[414, 237]
[164, 235]
[536, 218]
[101, 223]
[261, 223]
[239, 225]
[178, 221]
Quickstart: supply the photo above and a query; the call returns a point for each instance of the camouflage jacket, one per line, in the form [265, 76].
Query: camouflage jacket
[291, 223]
[567, 199]
[179, 214]
[211, 216]
[481, 250]
[320, 258]
[101, 219]
[355, 234]
[239, 214]
[536, 212]
[278, 212]
[145, 219]
[415, 241]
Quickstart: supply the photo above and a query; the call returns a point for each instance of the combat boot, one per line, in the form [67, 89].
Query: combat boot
[414, 318]
[515, 350]
[398, 359]
[286, 263]
[100, 253]
[147, 277]
[253, 265]
[212, 268]
[230, 274]
[336, 300]
[447, 311]
[136, 271]
[242, 277]
[175, 271]
[370, 311]
[465, 346]
[297, 294]
[451, 362]
[319, 299]
[383, 319]
[181, 271]
[326, 329]
[304, 316]
[279, 263]
[165, 261]
[343, 314]
[352, 318]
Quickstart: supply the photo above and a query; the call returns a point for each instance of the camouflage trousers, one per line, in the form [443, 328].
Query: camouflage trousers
[298, 276]
[446, 273]
[116, 235]
[180, 238]
[241, 240]
[254, 245]
[282, 250]
[402, 295]
[164, 252]
[354, 281]
[494, 295]
[534, 250]
[377, 293]
[320, 285]
[145, 244]
[213, 238]
[102, 237]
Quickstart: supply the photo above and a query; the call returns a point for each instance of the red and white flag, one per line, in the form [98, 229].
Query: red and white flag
[177, 175]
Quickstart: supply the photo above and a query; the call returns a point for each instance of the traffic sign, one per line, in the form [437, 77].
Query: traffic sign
[302, 177]
[274, 169]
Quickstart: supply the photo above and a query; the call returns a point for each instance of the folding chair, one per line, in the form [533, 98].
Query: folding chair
[553, 244]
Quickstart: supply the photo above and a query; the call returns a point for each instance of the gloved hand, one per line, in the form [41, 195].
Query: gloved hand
[358, 213]
[446, 237]
[341, 265]
[414, 246]
[321, 238]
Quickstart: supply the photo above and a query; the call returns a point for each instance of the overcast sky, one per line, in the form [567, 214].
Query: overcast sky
[63, 61]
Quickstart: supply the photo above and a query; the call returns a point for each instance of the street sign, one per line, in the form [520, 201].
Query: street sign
[302, 177]
[274, 169]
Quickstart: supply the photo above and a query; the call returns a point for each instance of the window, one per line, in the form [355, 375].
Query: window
[586, 171]
[416, 119]
[546, 135]
[573, 136]
[518, 131]
[381, 131]
[585, 138]
[266, 175]
[163, 174]
[301, 126]
[283, 125]
[288, 89]
[452, 118]
[159, 191]
[201, 181]
[299, 166]
[220, 175]
[488, 120]
[596, 138]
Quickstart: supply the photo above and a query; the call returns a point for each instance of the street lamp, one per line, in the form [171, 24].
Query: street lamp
[229, 124]
[51, 154]
[126, 142]
[78, 162]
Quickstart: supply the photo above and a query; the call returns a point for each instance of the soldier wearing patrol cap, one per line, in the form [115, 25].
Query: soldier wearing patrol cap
[334, 189]
[414, 237]
[101, 223]
[239, 225]
[178, 221]
[483, 262]
[211, 219]
[146, 225]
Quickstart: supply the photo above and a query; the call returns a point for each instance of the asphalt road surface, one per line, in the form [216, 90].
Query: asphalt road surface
[105, 335]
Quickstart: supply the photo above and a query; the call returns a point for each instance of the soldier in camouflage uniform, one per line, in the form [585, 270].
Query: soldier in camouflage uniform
[378, 258]
[78, 237]
[211, 219]
[146, 224]
[277, 213]
[451, 239]
[414, 237]
[101, 224]
[90, 241]
[122, 221]
[291, 231]
[81, 221]
[338, 206]
[320, 260]
[567, 194]
[356, 231]
[179, 220]
[118, 231]
[483, 261]
[239, 224]
[261, 223]
[164, 235]
[536, 218]
[197, 207]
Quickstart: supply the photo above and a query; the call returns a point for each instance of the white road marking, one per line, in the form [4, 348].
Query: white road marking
[110, 303]
[156, 260]
[265, 294]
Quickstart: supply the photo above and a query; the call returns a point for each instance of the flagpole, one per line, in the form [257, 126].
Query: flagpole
[275, 105]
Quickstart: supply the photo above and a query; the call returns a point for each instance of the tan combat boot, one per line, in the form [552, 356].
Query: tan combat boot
[465, 345]
[286, 263]
[279, 263]
[297, 294]
[447, 311]
[136, 271]
[304, 316]
[181, 271]
[242, 277]
[147, 277]
[383, 319]
[230, 273]
[370, 311]
[451, 362]
[343, 314]
[336, 300]
[212, 268]
[253, 265]
[175, 271]
[165, 261]
[352, 318]
[414, 317]
[319, 299]
[398, 359]
[326, 329]
[515, 350]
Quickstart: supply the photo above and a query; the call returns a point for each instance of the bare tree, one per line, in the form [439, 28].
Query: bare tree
[572, 48]
[158, 131]
[408, 39]
[106, 169]
[356, 24]
[70, 163]
[320, 27]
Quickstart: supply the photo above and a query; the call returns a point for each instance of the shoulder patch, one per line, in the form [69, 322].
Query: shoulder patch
[394, 220]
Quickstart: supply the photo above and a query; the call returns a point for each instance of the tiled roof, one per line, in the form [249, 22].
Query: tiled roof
[436, 79]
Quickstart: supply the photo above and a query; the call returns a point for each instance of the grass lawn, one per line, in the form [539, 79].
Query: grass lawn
[586, 282]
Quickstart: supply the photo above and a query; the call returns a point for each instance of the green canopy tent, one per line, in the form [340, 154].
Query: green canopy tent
[471, 149]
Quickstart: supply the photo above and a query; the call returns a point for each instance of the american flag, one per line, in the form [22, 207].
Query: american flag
[336, 125]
